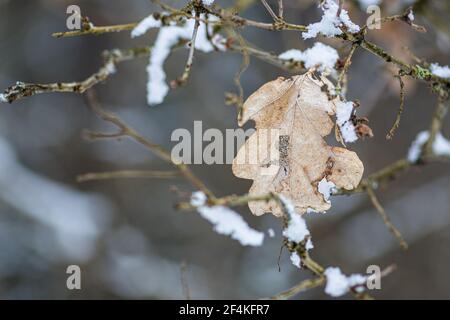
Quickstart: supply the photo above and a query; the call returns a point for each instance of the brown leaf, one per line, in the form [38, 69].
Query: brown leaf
[292, 116]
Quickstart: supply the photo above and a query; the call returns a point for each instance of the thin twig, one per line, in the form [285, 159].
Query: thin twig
[376, 203]
[301, 287]
[400, 109]
[184, 281]
[280, 9]
[190, 60]
[347, 63]
[404, 17]
[237, 78]
[111, 59]
[435, 126]
[269, 9]
[142, 174]
[96, 30]
[127, 131]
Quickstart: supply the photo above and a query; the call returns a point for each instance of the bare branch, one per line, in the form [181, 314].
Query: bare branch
[301, 287]
[158, 150]
[141, 174]
[190, 60]
[280, 9]
[111, 59]
[269, 9]
[96, 30]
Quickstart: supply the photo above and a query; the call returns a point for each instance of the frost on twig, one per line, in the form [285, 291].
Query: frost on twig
[227, 221]
[441, 146]
[332, 22]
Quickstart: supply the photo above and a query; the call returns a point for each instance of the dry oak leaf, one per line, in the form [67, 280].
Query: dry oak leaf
[300, 111]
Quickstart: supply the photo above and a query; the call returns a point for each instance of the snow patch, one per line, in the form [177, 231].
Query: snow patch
[227, 221]
[326, 188]
[344, 111]
[338, 284]
[319, 55]
[441, 146]
[148, 23]
[331, 23]
[366, 3]
[440, 71]
[3, 98]
[296, 231]
[295, 259]
[167, 38]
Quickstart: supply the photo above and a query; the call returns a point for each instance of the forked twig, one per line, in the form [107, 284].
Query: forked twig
[127, 131]
[269, 9]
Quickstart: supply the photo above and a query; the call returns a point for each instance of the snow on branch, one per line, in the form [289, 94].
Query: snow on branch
[331, 23]
[296, 230]
[3, 98]
[321, 55]
[339, 284]
[344, 112]
[227, 221]
[440, 71]
[168, 37]
[441, 146]
[148, 23]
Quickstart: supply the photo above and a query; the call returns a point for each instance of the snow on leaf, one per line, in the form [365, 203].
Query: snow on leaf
[227, 221]
[326, 188]
[299, 110]
[331, 23]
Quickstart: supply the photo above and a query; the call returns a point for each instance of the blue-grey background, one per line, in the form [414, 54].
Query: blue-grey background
[126, 235]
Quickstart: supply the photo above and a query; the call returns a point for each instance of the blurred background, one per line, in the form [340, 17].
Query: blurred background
[125, 234]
